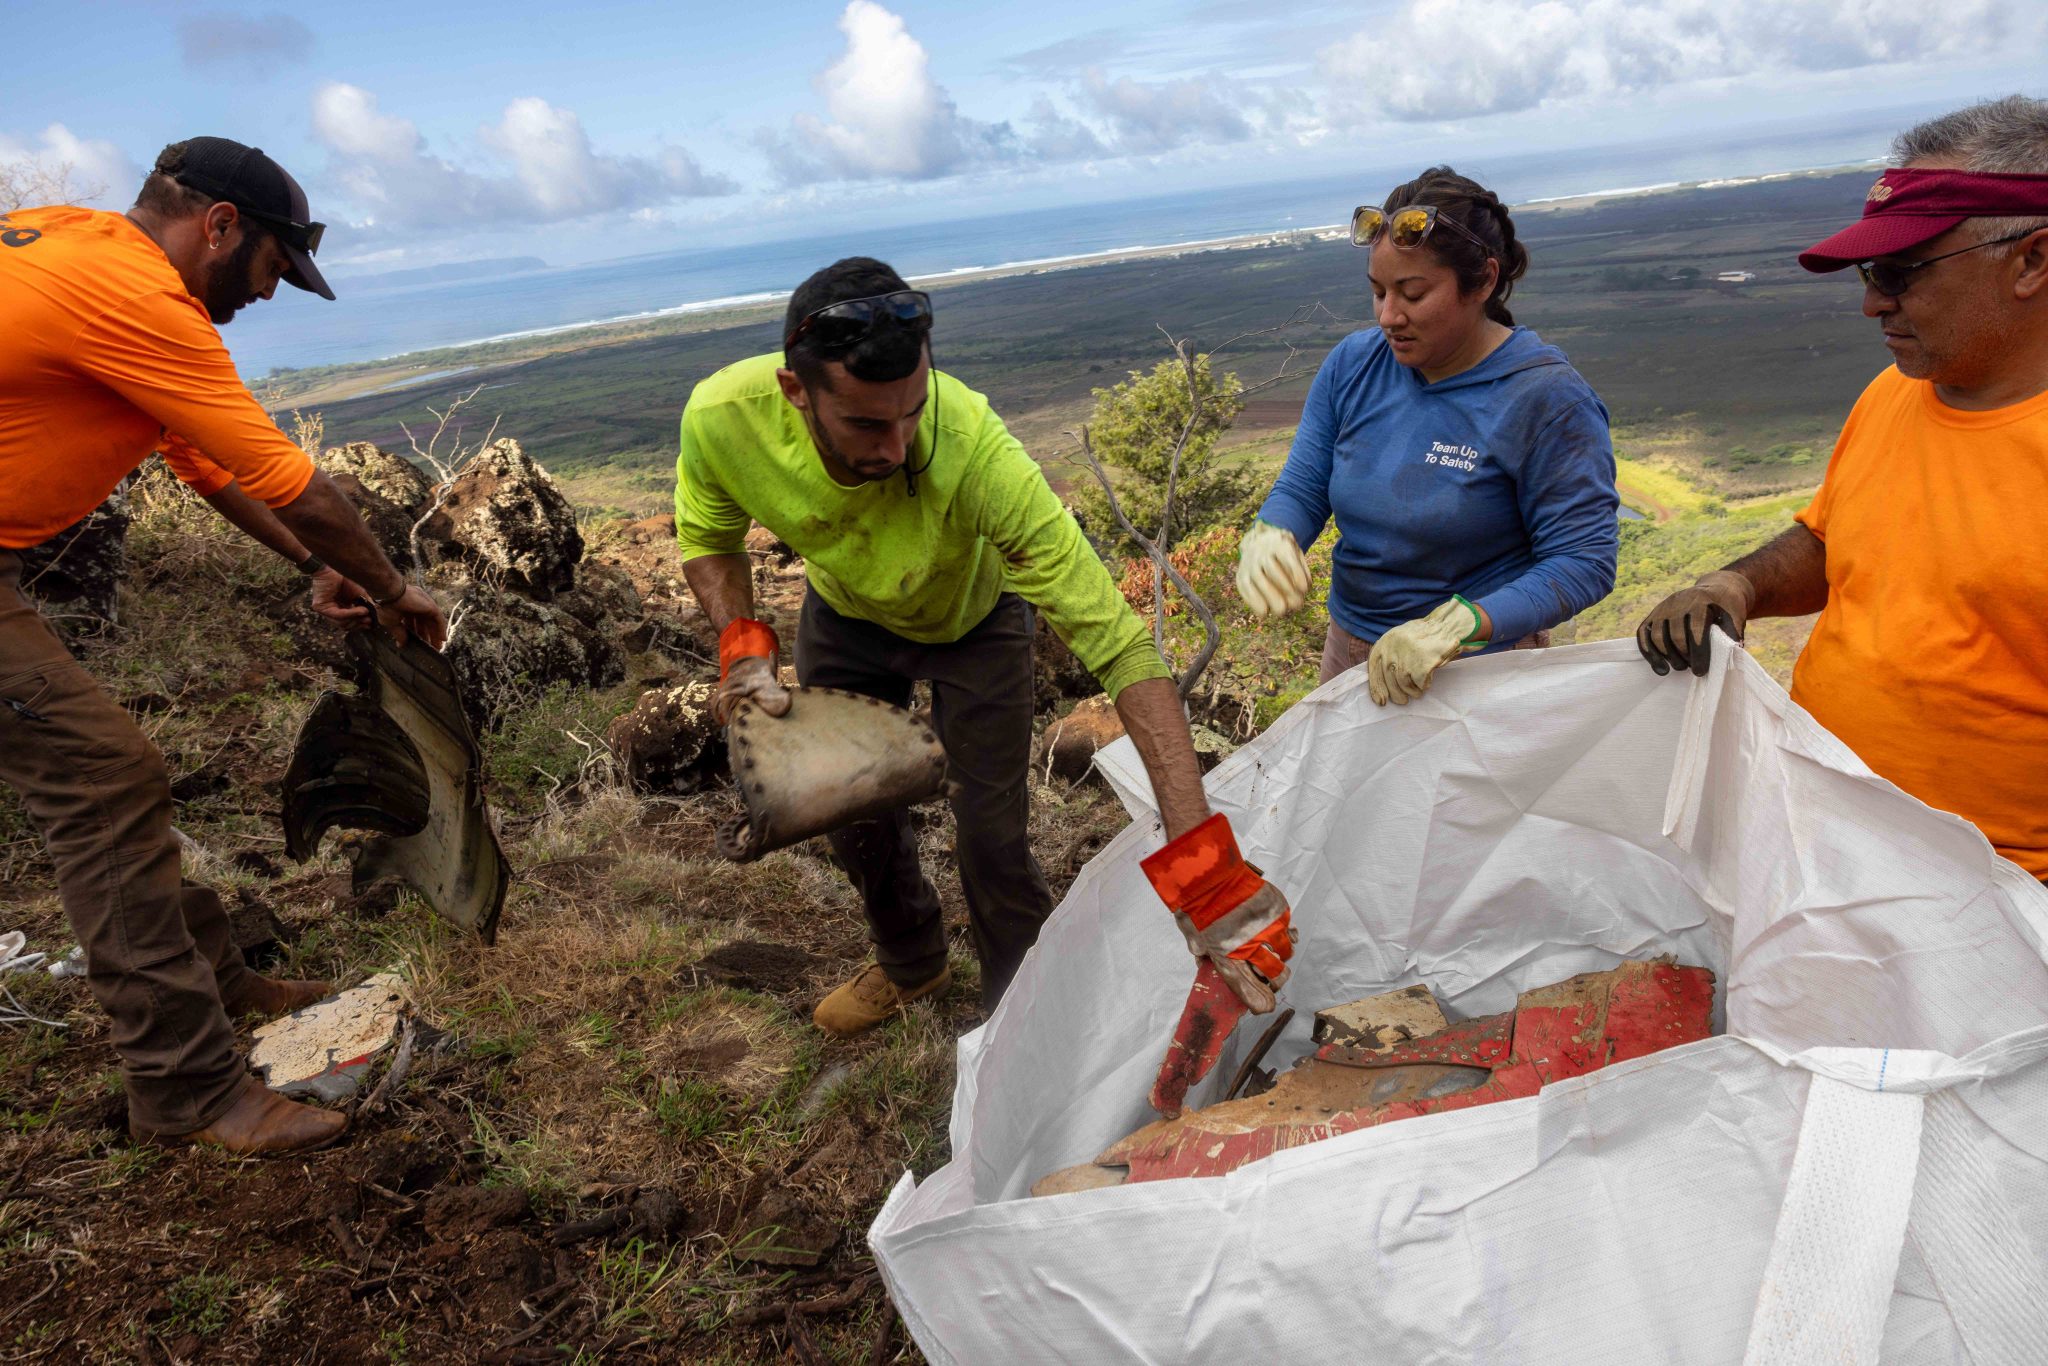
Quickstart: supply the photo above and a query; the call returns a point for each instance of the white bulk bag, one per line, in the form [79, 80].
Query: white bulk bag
[1857, 1171]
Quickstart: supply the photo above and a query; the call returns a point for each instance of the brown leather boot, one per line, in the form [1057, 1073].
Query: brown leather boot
[259, 1122]
[870, 998]
[269, 997]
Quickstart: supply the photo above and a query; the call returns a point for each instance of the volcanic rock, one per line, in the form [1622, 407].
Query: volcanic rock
[506, 648]
[75, 576]
[391, 477]
[668, 741]
[389, 523]
[505, 517]
[603, 599]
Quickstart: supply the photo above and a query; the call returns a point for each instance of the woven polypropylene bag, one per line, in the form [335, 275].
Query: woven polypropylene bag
[1537, 814]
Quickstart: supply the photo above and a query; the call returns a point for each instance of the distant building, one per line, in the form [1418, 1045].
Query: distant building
[1735, 277]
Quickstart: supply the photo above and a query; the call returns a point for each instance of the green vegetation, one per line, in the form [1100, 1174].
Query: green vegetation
[1140, 427]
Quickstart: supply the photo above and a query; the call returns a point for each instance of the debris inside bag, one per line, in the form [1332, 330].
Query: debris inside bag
[1395, 1055]
[325, 1049]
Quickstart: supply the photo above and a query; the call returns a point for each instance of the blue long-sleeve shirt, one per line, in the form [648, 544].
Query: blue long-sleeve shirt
[1497, 484]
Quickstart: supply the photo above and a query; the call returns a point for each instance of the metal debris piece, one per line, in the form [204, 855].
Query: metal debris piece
[836, 758]
[1365, 1074]
[397, 758]
[324, 1050]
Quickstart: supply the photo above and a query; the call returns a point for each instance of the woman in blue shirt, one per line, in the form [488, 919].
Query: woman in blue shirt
[1467, 464]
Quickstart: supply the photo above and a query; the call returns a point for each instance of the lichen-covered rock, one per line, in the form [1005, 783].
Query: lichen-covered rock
[388, 523]
[389, 476]
[603, 599]
[504, 515]
[75, 576]
[1068, 746]
[668, 741]
[506, 649]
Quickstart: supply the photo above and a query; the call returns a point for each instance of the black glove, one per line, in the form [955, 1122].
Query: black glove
[1674, 635]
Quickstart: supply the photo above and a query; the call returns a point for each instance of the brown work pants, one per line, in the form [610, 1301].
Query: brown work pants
[158, 950]
[981, 707]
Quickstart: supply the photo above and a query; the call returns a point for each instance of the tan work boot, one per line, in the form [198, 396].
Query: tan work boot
[258, 1123]
[871, 998]
[269, 997]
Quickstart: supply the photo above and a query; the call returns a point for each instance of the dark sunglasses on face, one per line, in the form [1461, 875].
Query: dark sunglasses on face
[1407, 227]
[303, 236]
[1893, 278]
[840, 326]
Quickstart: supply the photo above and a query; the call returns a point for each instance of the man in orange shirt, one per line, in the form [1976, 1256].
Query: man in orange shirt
[108, 352]
[1922, 550]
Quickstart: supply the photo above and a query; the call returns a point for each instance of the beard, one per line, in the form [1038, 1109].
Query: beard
[227, 289]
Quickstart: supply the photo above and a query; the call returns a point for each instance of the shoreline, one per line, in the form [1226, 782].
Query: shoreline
[385, 373]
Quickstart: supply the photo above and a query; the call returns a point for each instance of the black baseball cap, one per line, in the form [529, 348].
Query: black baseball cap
[260, 188]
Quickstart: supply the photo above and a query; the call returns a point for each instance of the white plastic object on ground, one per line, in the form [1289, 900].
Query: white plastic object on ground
[1537, 814]
[325, 1049]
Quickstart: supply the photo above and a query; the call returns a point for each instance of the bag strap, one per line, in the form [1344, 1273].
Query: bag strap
[1828, 1284]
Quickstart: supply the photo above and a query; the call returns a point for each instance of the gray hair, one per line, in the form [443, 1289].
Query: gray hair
[2008, 136]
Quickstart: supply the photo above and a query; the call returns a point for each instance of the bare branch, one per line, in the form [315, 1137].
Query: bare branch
[447, 467]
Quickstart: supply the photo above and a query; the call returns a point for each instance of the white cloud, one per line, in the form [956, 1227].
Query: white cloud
[1498, 56]
[58, 164]
[886, 118]
[1157, 116]
[244, 43]
[552, 172]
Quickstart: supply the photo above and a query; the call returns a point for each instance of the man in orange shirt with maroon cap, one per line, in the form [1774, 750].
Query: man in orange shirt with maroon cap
[107, 353]
[1922, 550]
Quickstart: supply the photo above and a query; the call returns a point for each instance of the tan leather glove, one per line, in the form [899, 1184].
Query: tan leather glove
[1674, 635]
[1405, 658]
[1272, 573]
[747, 672]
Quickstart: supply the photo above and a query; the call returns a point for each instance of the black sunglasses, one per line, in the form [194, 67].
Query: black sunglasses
[1892, 278]
[841, 326]
[299, 236]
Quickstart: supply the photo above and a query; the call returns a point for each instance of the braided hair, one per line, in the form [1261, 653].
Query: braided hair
[1479, 211]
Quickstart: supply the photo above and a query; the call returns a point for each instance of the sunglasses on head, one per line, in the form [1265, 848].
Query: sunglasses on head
[1893, 278]
[1407, 228]
[841, 326]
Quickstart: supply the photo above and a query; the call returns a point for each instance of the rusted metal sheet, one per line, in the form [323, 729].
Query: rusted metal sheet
[1563, 1030]
[397, 758]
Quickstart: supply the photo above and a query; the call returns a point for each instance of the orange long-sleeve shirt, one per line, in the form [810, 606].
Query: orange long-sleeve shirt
[104, 357]
[1931, 657]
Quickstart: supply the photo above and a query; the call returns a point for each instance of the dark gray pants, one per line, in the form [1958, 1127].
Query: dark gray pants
[981, 706]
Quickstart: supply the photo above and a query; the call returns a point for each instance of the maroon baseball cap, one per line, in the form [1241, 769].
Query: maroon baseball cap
[1907, 207]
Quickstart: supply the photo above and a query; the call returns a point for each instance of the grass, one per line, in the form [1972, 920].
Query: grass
[203, 1302]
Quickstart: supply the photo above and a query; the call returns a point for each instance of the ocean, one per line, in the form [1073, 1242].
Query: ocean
[372, 324]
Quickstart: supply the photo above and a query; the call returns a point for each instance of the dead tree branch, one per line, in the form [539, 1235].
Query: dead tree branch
[447, 466]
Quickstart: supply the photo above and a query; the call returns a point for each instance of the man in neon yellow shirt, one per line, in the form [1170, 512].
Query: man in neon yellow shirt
[925, 531]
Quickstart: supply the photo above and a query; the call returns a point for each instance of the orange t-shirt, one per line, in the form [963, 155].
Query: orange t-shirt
[104, 357]
[1931, 657]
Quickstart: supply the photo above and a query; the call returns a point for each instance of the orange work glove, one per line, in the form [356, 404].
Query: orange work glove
[746, 671]
[1226, 910]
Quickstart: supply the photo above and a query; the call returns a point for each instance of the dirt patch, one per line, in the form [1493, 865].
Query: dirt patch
[758, 965]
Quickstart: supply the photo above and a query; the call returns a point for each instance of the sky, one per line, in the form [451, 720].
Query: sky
[453, 130]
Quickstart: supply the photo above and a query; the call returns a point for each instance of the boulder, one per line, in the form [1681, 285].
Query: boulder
[75, 576]
[1068, 746]
[668, 741]
[389, 523]
[505, 517]
[506, 648]
[391, 477]
[603, 599]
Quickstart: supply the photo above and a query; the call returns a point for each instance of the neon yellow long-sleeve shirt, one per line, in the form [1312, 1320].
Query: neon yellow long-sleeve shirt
[927, 567]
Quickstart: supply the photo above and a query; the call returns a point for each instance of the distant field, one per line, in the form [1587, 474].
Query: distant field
[1738, 387]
